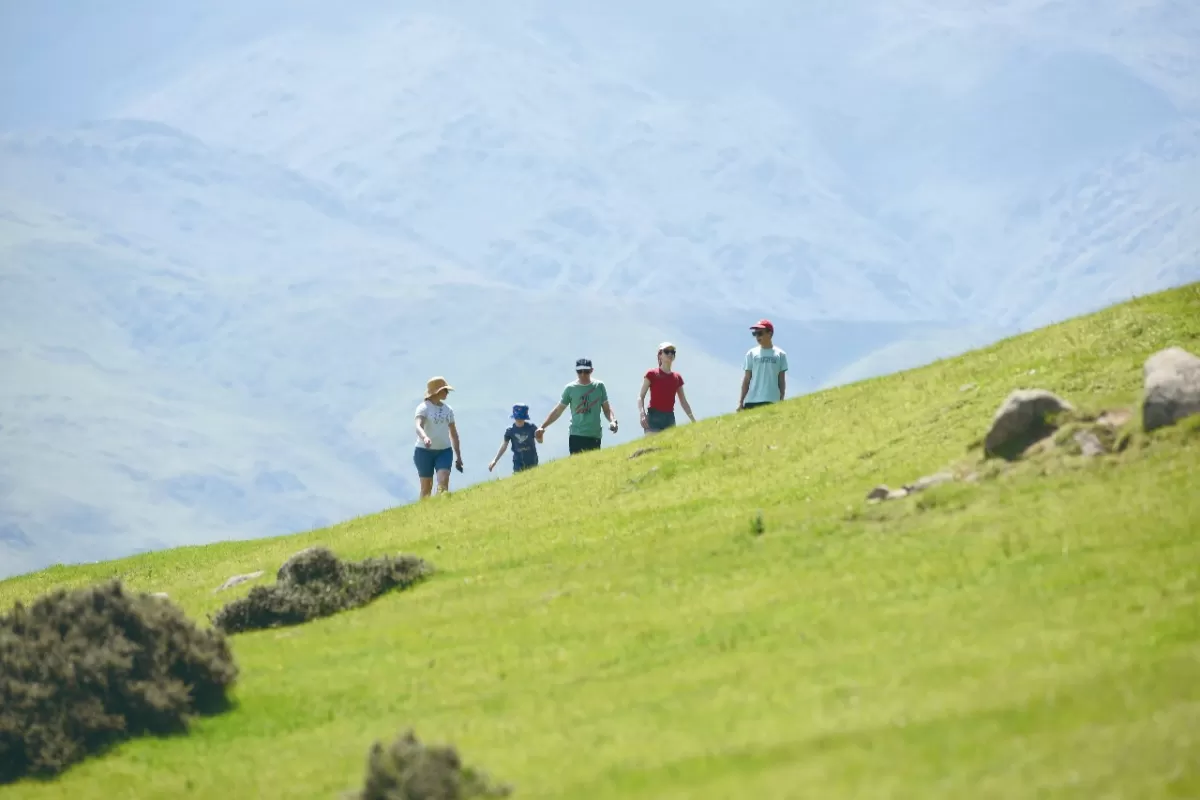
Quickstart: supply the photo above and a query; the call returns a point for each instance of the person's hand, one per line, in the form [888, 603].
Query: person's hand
[539, 434]
[741, 407]
[491, 466]
[645, 424]
[458, 465]
[612, 426]
[425, 440]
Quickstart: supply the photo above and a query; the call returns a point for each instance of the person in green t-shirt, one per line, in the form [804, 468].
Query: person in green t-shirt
[586, 398]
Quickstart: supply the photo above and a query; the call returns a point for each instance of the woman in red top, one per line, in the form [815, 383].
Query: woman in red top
[663, 385]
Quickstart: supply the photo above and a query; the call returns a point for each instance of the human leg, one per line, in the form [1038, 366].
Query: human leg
[442, 461]
[423, 459]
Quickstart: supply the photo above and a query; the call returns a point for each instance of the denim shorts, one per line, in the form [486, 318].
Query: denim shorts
[659, 420]
[429, 461]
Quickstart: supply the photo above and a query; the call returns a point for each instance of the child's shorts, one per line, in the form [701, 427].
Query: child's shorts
[430, 461]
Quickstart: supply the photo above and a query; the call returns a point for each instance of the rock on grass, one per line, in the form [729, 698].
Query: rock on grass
[1172, 388]
[316, 583]
[1023, 419]
[83, 669]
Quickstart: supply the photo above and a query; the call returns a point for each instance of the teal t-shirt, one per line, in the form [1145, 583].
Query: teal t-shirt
[584, 402]
[764, 366]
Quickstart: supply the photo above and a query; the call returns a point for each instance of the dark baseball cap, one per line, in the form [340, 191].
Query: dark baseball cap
[583, 363]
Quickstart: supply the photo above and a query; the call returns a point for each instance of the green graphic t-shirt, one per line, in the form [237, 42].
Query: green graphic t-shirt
[584, 402]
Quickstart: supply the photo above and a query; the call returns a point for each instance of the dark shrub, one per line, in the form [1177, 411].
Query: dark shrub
[315, 583]
[409, 770]
[84, 668]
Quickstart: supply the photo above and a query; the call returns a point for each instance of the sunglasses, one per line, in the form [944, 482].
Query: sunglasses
[582, 371]
[668, 352]
[758, 333]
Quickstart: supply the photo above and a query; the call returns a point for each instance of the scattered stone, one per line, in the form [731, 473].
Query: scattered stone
[162, 595]
[1172, 384]
[929, 481]
[1022, 420]
[236, 579]
[878, 493]
[1114, 418]
[966, 387]
[640, 478]
[641, 451]
[1089, 444]
[896, 494]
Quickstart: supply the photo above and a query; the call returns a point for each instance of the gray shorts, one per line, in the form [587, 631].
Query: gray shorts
[659, 420]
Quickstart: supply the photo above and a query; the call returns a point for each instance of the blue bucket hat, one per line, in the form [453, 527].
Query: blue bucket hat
[520, 411]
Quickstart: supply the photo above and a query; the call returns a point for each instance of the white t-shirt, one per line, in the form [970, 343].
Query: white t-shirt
[437, 424]
[764, 366]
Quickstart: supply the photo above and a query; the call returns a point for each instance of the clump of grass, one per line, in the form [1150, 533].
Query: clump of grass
[82, 669]
[316, 583]
[410, 770]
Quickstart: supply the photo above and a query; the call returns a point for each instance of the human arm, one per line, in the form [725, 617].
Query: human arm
[783, 368]
[421, 434]
[554, 414]
[606, 407]
[642, 402]
[745, 390]
[458, 462]
[683, 401]
[500, 452]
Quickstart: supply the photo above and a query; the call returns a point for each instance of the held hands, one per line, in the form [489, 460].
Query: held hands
[539, 434]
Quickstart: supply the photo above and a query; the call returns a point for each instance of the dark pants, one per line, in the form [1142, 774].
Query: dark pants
[756, 405]
[659, 420]
[524, 465]
[581, 444]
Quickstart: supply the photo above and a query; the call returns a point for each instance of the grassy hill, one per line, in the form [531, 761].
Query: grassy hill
[608, 626]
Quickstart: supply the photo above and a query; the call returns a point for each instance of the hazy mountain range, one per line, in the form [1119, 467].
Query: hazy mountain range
[235, 240]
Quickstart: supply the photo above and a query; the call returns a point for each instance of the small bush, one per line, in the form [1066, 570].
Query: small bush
[409, 770]
[316, 583]
[82, 669]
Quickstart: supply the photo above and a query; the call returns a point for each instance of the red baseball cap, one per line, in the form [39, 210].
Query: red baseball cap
[765, 324]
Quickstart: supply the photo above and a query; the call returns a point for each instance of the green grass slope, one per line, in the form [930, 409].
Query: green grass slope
[611, 627]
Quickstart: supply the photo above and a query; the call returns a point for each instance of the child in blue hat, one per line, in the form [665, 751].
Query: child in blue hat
[523, 443]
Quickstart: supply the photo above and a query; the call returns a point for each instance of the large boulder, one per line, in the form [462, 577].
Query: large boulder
[1172, 384]
[1023, 418]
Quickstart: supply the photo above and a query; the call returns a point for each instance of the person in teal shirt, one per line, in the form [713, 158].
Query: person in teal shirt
[586, 398]
[765, 378]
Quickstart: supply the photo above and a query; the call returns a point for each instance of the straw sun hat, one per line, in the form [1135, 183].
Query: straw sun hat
[435, 385]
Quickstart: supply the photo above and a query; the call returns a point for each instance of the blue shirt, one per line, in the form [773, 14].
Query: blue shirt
[524, 446]
[764, 366]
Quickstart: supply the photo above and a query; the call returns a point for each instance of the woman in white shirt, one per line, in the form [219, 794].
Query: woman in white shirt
[437, 438]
